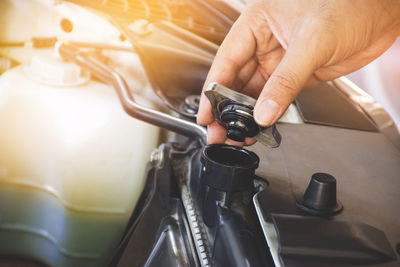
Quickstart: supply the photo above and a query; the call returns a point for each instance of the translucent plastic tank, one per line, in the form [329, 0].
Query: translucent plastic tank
[71, 164]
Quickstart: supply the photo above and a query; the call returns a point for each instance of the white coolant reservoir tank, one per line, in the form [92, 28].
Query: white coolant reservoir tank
[68, 136]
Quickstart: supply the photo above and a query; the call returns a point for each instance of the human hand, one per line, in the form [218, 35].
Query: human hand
[278, 47]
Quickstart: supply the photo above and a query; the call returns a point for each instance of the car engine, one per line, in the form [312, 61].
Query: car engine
[102, 162]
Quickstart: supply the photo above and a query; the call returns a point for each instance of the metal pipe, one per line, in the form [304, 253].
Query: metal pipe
[104, 73]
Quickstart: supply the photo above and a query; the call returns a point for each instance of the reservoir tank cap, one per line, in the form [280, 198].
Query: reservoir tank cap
[50, 70]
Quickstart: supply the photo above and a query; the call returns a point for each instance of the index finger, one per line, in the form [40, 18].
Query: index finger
[235, 51]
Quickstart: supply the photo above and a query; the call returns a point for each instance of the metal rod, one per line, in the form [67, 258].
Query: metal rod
[104, 73]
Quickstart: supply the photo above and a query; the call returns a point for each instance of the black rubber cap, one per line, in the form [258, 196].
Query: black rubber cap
[320, 196]
[236, 134]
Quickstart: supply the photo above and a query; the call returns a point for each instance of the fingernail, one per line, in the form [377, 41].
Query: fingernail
[265, 112]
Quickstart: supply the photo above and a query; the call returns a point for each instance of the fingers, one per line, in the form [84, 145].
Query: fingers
[231, 57]
[284, 84]
[215, 133]
[253, 86]
[249, 141]
[233, 143]
[204, 115]
[235, 51]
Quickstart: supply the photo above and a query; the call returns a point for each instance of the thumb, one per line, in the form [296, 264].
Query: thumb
[283, 85]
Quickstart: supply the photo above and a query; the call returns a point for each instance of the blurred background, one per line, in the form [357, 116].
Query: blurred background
[381, 79]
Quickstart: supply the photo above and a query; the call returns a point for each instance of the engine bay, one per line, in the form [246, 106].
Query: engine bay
[102, 162]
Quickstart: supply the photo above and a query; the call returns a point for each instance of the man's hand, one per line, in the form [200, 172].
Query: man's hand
[278, 47]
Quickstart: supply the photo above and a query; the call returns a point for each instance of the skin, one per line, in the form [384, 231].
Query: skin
[278, 47]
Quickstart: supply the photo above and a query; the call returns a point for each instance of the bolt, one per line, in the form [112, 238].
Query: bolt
[192, 104]
[156, 156]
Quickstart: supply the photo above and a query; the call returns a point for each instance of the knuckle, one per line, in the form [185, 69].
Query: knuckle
[285, 84]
